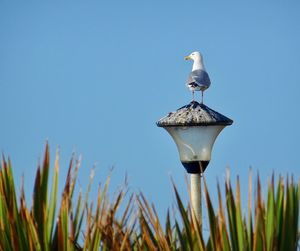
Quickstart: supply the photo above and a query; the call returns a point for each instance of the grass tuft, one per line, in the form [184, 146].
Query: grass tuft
[68, 224]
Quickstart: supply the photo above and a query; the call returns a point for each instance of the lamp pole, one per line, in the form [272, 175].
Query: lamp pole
[196, 204]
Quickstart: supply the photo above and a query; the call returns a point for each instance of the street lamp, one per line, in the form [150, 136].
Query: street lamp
[194, 128]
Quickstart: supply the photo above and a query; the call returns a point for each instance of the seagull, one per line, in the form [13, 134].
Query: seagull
[198, 79]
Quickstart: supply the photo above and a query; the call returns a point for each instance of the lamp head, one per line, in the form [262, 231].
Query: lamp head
[194, 128]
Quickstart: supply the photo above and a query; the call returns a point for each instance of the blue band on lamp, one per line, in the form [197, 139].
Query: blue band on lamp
[195, 166]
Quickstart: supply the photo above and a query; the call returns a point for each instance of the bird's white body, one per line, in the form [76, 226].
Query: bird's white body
[198, 62]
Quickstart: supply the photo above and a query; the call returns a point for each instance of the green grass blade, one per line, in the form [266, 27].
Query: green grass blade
[271, 225]
[212, 220]
[225, 243]
[250, 219]
[231, 212]
[52, 203]
[182, 240]
[242, 243]
[259, 240]
[184, 217]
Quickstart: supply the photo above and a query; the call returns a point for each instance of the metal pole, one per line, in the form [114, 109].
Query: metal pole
[196, 197]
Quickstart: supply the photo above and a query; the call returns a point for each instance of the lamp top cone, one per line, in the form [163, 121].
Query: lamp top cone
[194, 114]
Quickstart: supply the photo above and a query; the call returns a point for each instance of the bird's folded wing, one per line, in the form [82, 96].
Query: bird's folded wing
[199, 77]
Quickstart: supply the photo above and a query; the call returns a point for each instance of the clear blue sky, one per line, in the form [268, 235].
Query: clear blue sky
[94, 77]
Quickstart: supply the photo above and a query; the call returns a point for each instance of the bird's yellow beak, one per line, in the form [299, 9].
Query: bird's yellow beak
[187, 58]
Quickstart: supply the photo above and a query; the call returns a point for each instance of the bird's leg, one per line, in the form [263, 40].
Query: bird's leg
[201, 97]
[193, 92]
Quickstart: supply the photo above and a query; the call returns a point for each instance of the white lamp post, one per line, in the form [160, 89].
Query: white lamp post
[194, 128]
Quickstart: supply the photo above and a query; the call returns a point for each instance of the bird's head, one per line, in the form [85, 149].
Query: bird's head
[195, 56]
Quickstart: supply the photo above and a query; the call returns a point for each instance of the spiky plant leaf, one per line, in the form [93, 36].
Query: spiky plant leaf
[242, 243]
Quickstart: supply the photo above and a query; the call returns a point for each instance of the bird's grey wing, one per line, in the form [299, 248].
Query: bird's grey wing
[199, 77]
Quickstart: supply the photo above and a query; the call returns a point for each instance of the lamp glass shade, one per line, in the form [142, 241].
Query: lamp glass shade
[194, 144]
